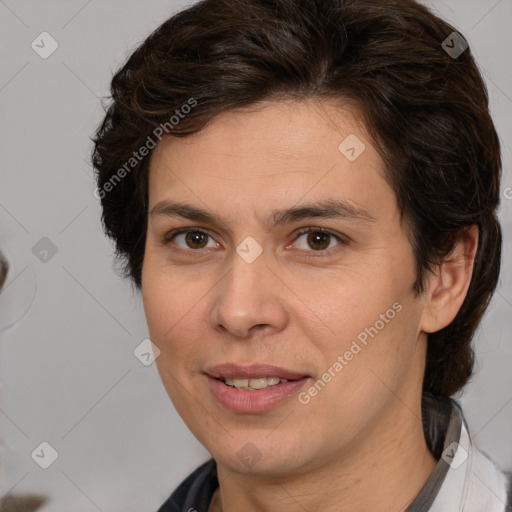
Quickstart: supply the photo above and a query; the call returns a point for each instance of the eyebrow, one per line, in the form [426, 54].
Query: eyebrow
[328, 209]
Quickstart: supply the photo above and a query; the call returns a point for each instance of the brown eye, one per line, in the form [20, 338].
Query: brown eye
[318, 240]
[195, 239]
[191, 239]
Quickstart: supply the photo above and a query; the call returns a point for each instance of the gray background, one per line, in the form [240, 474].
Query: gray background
[70, 325]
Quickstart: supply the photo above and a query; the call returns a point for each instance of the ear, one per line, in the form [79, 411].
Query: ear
[448, 285]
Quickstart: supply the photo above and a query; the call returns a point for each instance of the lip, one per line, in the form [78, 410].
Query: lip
[255, 371]
[253, 401]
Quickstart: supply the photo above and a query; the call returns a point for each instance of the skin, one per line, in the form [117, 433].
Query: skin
[206, 305]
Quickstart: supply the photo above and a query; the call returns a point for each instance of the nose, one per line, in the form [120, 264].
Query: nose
[249, 300]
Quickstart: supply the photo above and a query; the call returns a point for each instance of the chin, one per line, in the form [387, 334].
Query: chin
[259, 456]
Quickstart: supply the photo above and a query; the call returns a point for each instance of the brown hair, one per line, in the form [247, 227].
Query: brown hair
[426, 111]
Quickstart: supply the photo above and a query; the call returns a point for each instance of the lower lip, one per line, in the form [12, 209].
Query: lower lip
[260, 400]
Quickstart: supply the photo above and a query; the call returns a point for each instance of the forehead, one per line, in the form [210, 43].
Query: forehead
[273, 131]
[276, 153]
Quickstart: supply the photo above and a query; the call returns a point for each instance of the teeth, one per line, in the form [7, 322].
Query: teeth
[254, 384]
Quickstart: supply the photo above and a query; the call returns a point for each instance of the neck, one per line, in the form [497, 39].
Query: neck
[383, 471]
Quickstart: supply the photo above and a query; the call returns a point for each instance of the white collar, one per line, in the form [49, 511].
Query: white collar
[473, 482]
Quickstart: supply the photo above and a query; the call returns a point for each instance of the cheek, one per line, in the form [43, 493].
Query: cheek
[166, 309]
[167, 298]
[373, 357]
[349, 305]
[176, 321]
[373, 325]
[157, 307]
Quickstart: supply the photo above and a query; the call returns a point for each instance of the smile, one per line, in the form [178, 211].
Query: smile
[254, 384]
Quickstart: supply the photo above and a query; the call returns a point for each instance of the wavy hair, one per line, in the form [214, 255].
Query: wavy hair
[426, 112]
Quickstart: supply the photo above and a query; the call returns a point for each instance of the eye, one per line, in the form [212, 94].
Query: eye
[193, 238]
[318, 239]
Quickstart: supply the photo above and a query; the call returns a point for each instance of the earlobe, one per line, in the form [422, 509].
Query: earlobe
[448, 286]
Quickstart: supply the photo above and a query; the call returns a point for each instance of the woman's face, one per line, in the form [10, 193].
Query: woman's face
[250, 290]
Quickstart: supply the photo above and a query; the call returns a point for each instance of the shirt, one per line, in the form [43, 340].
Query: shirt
[465, 479]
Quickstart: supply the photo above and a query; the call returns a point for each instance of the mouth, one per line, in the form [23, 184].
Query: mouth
[256, 376]
[253, 388]
[253, 384]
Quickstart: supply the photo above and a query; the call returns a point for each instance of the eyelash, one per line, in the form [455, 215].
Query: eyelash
[342, 240]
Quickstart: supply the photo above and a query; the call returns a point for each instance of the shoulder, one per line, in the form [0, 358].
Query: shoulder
[490, 487]
[466, 477]
[194, 493]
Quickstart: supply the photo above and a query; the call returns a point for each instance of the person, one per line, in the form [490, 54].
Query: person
[305, 193]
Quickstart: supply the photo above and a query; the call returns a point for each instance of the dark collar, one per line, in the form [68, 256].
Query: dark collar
[442, 422]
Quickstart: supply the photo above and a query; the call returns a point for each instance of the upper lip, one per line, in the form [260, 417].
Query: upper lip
[235, 371]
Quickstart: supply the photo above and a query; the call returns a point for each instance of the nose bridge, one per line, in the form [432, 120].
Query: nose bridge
[247, 295]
